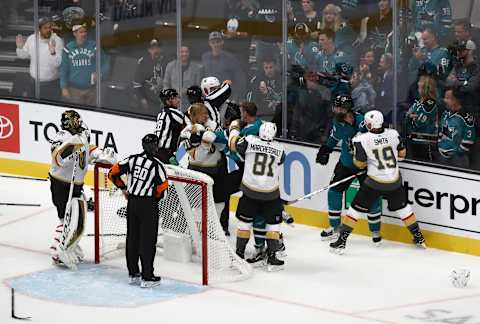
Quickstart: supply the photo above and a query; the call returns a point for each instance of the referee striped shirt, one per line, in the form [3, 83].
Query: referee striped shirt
[147, 176]
[169, 125]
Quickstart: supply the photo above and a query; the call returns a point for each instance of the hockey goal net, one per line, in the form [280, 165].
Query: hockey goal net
[188, 212]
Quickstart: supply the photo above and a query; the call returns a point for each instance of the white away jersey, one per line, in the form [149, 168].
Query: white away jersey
[380, 153]
[63, 146]
[263, 161]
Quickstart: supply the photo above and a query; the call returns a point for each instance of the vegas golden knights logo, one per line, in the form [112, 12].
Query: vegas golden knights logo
[82, 160]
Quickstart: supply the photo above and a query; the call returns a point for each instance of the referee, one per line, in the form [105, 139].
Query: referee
[147, 184]
[170, 122]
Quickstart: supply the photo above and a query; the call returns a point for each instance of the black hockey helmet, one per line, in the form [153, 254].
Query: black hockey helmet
[232, 112]
[342, 105]
[167, 94]
[150, 144]
[344, 69]
[72, 122]
[194, 94]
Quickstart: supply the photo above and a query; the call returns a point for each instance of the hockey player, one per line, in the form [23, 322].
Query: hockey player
[260, 186]
[71, 153]
[346, 125]
[378, 151]
[205, 155]
[170, 123]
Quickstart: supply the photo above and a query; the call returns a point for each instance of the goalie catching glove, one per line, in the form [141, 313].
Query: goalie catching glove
[323, 154]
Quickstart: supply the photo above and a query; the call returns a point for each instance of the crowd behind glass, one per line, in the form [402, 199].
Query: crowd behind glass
[427, 88]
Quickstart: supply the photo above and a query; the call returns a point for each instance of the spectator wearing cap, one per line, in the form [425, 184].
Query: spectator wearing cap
[149, 78]
[309, 16]
[78, 71]
[223, 65]
[49, 59]
[191, 74]
[301, 50]
[432, 52]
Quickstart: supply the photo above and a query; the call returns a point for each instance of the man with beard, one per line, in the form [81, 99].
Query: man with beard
[49, 59]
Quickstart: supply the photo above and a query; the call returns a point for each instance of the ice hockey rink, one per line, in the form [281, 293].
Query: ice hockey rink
[394, 283]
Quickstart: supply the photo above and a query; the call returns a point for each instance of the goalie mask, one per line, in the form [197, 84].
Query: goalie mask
[150, 144]
[267, 131]
[72, 122]
[342, 105]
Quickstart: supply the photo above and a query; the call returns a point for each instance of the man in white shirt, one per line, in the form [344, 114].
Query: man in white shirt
[48, 57]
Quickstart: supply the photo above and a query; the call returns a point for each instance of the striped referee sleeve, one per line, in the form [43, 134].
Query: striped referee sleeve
[161, 180]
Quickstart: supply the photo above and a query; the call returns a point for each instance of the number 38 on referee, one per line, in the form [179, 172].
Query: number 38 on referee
[147, 184]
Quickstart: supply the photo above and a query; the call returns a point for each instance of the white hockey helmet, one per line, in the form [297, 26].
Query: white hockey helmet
[209, 84]
[267, 131]
[373, 119]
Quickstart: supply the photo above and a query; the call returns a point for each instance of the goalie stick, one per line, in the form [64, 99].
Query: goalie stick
[19, 204]
[25, 318]
[316, 192]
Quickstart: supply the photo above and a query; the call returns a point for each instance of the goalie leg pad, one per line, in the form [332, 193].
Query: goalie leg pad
[73, 226]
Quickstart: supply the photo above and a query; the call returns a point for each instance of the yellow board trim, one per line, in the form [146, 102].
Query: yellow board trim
[303, 216]
[390, 232]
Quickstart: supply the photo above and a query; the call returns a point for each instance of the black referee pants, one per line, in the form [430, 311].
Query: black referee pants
[142, 232]
[60, 191]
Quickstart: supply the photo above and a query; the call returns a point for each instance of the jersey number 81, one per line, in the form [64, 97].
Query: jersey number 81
[260, 164]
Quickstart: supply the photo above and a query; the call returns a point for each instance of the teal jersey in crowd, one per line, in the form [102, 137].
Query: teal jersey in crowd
[78, 64]
[457, 133]
[301, 57]
[344, 38]
[344, 132]
[423, 128]
[325, 63]
[438, 56]
[436, 14]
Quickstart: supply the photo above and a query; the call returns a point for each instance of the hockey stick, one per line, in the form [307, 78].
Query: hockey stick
[23, 178]
[20, 205]
[24, 318]
[325, 188]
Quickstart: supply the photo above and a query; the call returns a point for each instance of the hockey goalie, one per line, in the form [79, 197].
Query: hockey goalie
[71, 154]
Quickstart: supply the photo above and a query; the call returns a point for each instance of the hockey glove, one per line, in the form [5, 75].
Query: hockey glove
[323, 154]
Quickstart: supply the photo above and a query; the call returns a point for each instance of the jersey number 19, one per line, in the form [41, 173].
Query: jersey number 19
[386, 159]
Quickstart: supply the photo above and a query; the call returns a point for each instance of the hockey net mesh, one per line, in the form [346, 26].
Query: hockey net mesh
[182, 213]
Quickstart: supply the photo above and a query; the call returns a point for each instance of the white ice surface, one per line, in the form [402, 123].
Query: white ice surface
[395, 283]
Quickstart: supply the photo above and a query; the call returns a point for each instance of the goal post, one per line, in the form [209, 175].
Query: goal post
[188, 211]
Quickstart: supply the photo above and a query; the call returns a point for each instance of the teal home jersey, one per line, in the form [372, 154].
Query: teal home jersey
[301, 54]
[457, 133]
[424, 127]
[436, 14]
[344, 132]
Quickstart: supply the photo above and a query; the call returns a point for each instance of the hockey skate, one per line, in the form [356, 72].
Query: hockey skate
[274, 264]
[135, 279]
[419, 240]
[150, 282]
[376, 239]
[329, 234]
[338, 247]
[79, 253]
[259, 259]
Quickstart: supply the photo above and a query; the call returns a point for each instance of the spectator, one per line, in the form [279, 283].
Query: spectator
[344, 34]
[309, 16]
[457, 133]
[385, 98]
[301, 51]
[363, 94]
[192, 74]
[463, 31]
[432, 52]
[379, 27]
[311, 113]
[436, 15]
[355, 11]
[265, 90]
[78, 71]
[368, 66]
[148, 79]
[329, 55]
[49, 58]
[223, 65]
[422, 120]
